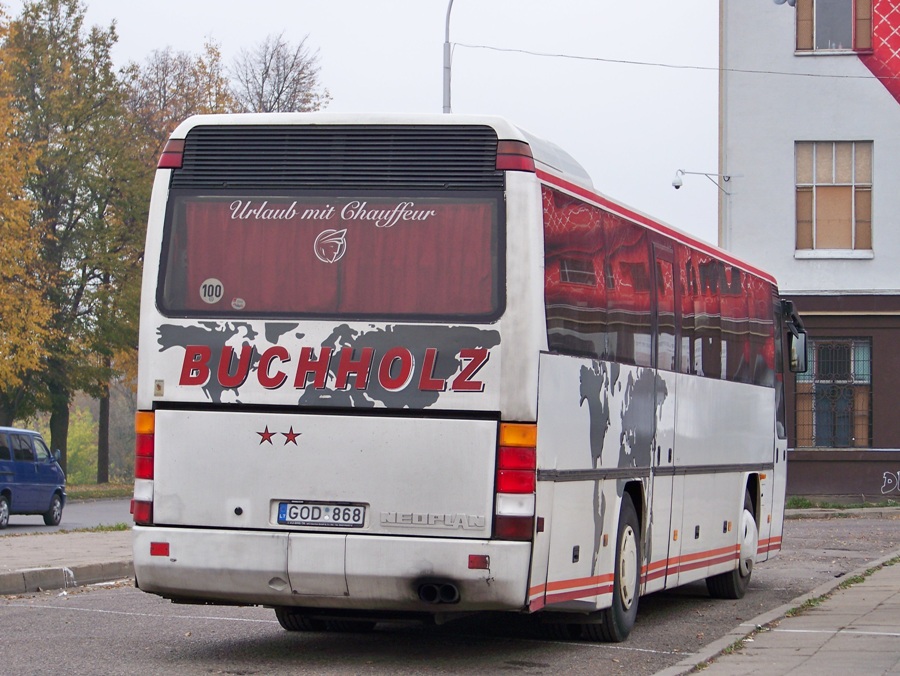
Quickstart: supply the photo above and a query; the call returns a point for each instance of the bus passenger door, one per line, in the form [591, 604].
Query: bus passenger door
[659, 542]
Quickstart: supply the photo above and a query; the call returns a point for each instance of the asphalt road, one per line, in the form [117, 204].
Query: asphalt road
[120, 630]
[77, 514]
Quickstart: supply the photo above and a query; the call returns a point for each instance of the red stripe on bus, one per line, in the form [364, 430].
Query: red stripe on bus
[559, 591]
[578, 594]
[579, 582]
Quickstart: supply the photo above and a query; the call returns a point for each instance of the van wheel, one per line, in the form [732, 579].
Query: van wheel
[617, 621]
[53, 516]
[4, 511]
[734, 583]
[293, 620]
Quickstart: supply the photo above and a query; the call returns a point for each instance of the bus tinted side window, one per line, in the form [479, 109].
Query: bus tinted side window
[598, 285]
[762, 332]
[727, 330]
[597, 282]
[688, 286]
[574, 283]
[735, 325]
[629, 282]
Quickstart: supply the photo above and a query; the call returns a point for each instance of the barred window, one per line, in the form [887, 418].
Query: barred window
[834, 397]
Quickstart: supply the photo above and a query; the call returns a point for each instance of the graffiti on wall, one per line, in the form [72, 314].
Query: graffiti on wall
[891, 483]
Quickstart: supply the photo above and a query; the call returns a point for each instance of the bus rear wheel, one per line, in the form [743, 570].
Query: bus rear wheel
[733, 584]
[293, 620]
[617, 621]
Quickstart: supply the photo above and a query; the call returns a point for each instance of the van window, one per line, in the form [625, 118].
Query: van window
[41, 452]
[21, 446]
[5, 453]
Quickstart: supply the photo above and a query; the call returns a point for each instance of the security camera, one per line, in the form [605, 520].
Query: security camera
[676, 182]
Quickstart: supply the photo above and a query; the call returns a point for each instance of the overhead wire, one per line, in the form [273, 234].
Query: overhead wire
[674, 66]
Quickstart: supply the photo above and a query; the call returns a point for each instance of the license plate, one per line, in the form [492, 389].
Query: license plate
[302, 513]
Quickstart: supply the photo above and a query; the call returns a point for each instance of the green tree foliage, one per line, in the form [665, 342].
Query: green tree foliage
[80, 142]
[71, 107]
[82, 468]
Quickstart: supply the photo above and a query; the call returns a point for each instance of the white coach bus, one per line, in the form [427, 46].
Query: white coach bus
[418, 367]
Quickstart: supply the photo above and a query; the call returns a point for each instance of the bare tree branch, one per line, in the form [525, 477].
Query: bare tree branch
[277, 76]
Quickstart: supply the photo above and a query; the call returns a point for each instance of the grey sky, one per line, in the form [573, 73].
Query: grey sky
[630, 125]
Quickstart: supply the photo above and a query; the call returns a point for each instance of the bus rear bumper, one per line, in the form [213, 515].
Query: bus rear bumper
[351, 572]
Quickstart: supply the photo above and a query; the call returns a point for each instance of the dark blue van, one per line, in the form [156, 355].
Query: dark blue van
[31, 480]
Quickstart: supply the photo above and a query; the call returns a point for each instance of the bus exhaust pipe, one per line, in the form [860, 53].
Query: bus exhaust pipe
[449, 593]
[439, 592]
[429, 593]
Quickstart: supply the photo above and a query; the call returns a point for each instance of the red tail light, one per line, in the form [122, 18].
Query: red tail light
[519, 528]
[514, 156]
[142, 511]
[144, 445]
[516, 482]
[144, 453]
[172, 155]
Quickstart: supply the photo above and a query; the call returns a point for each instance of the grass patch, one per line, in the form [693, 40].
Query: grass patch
[98, 491]
[112, 528]
[799, 502]
[808, 604]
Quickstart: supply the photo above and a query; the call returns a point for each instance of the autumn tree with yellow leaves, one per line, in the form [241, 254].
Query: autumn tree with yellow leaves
[24, 309]
[78, 148]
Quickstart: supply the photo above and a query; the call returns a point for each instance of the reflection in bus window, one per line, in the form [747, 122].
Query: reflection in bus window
[598, 278]
[629, 293]
[574, 285]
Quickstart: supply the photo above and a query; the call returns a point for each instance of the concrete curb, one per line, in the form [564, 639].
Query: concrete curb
[712, 650]
[44, 579]
[858, 513]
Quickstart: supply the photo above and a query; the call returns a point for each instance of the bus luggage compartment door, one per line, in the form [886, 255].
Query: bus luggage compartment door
[329, 474]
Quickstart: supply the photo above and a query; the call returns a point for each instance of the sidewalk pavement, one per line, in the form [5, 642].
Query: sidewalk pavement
[856, 630]
[30, 563]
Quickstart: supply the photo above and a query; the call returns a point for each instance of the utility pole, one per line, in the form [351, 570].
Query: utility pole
[447, 59]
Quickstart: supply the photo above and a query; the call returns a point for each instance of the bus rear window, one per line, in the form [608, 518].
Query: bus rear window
[366, 257]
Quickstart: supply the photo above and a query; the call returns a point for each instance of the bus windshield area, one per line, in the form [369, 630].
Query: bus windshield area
[362, 256]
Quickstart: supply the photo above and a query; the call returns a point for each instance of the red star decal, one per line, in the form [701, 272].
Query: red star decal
[291, 436]
[266, 435]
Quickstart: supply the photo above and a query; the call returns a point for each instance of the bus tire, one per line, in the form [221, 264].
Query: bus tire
[617, 621]
[350, 626]
[293, 620]
[733, 584]
[561, 631]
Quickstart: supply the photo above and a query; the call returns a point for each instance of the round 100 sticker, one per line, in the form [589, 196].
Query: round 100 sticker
[211, 291]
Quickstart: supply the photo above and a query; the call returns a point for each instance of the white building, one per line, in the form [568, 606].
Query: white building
[810, 138]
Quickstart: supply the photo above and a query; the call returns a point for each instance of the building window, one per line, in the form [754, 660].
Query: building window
[834, 397]
[834, 195]
[834, 25]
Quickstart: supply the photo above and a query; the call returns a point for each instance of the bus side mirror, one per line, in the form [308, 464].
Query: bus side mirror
[798, 351]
